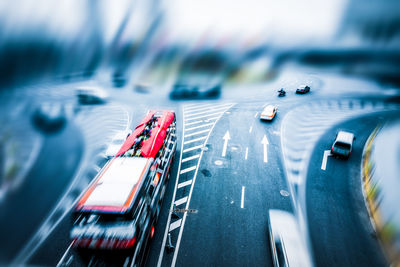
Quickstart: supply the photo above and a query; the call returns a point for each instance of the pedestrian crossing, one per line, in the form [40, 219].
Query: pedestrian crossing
[303, 126]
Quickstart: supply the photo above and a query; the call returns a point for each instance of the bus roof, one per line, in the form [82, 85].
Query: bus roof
[150, 146]
[116, 186]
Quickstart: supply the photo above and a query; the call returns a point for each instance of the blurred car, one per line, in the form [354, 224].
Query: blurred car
[142, 88]
[288, 247]
[269, 113]
[49, 117]
[188, 91]
[116, 143]
[303, 89]
[91, 95]
[118, 79]
[343, 144]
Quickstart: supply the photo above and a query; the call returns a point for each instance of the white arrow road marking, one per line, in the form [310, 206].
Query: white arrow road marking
[327, 153]
[265, 143]
[226, 138]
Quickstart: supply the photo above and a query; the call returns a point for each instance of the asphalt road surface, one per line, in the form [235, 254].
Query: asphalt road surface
[25, 208]
[339, 226]
[228, 172]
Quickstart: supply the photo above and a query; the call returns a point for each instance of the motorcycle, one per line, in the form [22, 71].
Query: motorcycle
[281, 92]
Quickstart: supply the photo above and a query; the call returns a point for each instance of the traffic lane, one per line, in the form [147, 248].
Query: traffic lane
[222, 232]
[156, 242]
[338, 221]
[25, 208]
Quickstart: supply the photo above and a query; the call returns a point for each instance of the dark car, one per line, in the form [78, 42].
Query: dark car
[119, 79]
[303, 89]
[187, 91]
[49, 117]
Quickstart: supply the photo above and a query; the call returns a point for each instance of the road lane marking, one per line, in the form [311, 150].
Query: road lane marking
[255, 116]
[195, 140]
[251, 129]
[183, 184]
[187, 112]
[200, 126]
[192, 148]
[265, 144]
[175, 225]
[226, 139]
[181, 201]
[205, 116]
[247, 153]
[195, 122]
[208, 110]
[190, 158]
[242, 200]
[196, 133]
[197, 106]
[64, 255]
[327, 153]
[176, 251]
[210, 119]
[187, 170]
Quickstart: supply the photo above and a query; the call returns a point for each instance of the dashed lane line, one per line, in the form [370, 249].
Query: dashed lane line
[247, 153]
[242, 199]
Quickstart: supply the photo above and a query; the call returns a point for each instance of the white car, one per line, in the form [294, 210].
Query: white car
[116, 143]
[91, 95]
[269, 112]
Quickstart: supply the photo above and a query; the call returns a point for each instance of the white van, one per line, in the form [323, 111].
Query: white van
[289, 249]
[343, 144]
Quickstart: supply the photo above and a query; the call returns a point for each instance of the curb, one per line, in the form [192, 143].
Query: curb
[370, 190]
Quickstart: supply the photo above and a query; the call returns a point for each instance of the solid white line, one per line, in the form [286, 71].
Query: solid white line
[195, 122]
[242, 200]
[251, 129]
[190, 158]
[64, 255]
[205, 116]
[327, 153]
[187, 170]
[200, 126]
[195, 133]
[183, 184]
[175, 225]
[255, 116]
[192, 148]
[195, 140]
[247, 152]
[180, 201]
